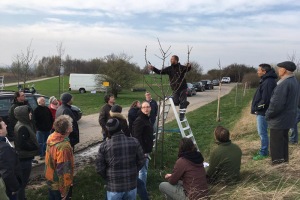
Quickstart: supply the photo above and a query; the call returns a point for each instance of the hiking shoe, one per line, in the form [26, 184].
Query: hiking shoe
[259, 157]
[181, 116]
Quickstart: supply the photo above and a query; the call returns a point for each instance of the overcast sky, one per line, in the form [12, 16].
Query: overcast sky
[234, 31]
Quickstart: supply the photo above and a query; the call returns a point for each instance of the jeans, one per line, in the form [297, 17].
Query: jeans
[141, 190]
[294, 130]
[262, 129]
[54, 195]
[174, 192]
[26, 170]
[129, 195]
[42, 137]
[143, 172]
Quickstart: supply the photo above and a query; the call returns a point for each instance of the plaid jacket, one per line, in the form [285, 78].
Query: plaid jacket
[118, 162]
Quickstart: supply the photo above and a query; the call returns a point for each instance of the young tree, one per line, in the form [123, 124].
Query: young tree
[195, 73]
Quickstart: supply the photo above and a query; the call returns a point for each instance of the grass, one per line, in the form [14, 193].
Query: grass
[89, 185]
[91, 103]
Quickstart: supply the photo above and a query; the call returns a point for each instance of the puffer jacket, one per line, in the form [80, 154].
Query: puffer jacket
[25, 142]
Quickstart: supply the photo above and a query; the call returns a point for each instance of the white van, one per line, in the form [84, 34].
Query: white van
[225, 80]
[85, 82]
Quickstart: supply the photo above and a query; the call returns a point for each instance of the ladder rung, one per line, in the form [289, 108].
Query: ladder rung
[186, 128]
[190, 136]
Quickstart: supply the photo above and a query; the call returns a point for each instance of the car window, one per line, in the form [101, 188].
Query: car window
[32, 102]
[5, 104]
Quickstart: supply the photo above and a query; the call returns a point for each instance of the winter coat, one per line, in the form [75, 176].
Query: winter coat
[65, 109]
[132, 115]
[143, 131]
[11, 116]
[262, 96]
[104, 116]
[25, 137]
[176, 75]
[122, 121]
[225, 163]
[10, 169]
[43, 118]
[190, 170]
[282, 110]
[59, 163]
[153, 113]
[119, 161]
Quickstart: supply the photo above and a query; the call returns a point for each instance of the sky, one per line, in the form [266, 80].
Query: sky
[232, 31]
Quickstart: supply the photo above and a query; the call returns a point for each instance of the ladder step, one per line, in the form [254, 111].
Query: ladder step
[187, 128]
[190, 136]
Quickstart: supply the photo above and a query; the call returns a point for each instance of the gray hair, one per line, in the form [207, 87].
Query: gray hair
[62, 124]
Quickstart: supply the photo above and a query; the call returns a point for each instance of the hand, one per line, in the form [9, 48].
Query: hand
[167, 176]
[63, 198]
[150, 67]
[188, 65]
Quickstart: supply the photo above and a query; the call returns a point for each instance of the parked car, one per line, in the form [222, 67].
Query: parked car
[225, 80]
[199, 86]
[215, 82]
[207, 84]
[190, 90]
[7, 97]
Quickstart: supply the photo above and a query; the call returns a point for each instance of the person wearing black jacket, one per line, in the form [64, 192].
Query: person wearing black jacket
[26, 144]
[143, 131]
[282, 111]
[260, 104]
[10, 170]
[109, 99]
[43, 124]
[133, 113]
[65, 109]
[178, 83]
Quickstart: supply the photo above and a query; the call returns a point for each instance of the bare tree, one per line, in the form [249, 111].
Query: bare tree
[28, 59]
[60, 51]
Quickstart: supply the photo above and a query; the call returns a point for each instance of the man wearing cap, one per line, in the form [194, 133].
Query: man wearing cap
[109, 100]
[118, 162]
[281, 114]
[65, 109]
[260, 104]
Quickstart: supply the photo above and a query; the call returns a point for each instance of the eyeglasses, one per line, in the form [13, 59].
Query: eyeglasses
[146, 107]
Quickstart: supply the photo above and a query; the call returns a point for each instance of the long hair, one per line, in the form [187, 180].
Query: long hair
[134, 104]
[186, 145]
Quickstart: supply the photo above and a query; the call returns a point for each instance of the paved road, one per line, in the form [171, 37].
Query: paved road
[31, 81]
[90, 131]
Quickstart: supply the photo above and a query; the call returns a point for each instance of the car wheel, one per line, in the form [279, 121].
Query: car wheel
[82, 90]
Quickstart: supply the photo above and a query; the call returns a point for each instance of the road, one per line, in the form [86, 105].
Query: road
[90, 131]
[31, 81]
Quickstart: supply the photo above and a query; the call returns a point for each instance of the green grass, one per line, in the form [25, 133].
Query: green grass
[91, 103]
[89, 185]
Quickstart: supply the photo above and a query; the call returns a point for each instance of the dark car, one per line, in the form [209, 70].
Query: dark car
[7, 97]
[199, 86]
[207, 84]
[190, 90]
[215, 82]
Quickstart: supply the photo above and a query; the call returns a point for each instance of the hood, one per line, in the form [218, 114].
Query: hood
[194, 156]
[116, 115]
[56, 138]
[22, 114]
[270, 74]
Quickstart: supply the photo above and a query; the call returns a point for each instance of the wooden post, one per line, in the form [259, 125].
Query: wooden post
[219, 99]
[245, 87]
[156, 136]
[236, 92]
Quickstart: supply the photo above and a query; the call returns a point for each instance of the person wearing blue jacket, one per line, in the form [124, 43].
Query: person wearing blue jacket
[282, 111]
[260, 104]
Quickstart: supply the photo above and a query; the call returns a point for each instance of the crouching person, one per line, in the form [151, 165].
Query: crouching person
[188, 180]
[119, 161]
[225, 160]
[59, 160]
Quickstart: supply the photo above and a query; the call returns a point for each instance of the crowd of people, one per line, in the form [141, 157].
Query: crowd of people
[124, 154]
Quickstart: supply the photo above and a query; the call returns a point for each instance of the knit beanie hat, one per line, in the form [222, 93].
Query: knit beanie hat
[113, 126]
[66, 97]
[51, 99]
[116, 108]
[288, 65]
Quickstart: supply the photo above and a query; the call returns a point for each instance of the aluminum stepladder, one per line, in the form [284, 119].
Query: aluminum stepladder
[184, 127]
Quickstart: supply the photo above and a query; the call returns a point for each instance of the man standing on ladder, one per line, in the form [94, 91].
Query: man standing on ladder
[178, 84]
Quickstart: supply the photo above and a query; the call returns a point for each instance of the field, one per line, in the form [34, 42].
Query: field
[90, 103]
